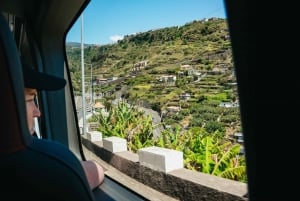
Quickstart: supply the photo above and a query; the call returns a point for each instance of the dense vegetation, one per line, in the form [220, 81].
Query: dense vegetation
[184, 73]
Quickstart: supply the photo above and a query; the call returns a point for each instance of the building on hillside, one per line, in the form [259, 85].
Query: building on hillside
[169, 79]
[228, 104]
[185, 96]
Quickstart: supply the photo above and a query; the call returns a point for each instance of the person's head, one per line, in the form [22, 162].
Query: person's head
[34, 81]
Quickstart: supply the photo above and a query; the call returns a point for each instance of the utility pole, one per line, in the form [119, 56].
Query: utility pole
[92, 88]
[92, 92]
[82, 80]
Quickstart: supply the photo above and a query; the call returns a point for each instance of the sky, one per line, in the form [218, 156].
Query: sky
[106, 21]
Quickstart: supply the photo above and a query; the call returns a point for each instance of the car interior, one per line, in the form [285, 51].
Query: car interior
[20, 152]
[34, 169]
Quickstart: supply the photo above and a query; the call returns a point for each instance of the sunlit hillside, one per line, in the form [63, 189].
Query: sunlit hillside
[184, 73]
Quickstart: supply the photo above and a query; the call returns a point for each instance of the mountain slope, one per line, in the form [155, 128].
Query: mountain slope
[184, 73]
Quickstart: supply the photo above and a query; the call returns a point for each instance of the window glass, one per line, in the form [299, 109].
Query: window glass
[160, 74]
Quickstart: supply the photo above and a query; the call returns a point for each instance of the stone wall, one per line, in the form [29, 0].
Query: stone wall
[182, 184]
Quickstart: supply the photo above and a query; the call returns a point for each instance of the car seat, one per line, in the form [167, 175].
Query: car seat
[31, 169]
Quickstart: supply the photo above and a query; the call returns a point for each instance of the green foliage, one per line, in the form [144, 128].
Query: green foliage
[203, 151]
[213, 126]
[210, 155]
[206, 152]
[200, 44]
[128, 122]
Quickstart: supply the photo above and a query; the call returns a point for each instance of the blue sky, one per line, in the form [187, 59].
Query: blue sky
[106, 21]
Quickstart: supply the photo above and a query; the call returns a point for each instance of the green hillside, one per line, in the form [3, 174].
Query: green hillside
[185, 73]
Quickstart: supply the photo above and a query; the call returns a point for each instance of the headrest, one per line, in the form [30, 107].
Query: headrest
[12, 105]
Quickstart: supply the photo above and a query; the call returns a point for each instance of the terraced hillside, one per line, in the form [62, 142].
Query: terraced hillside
[184, 73]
